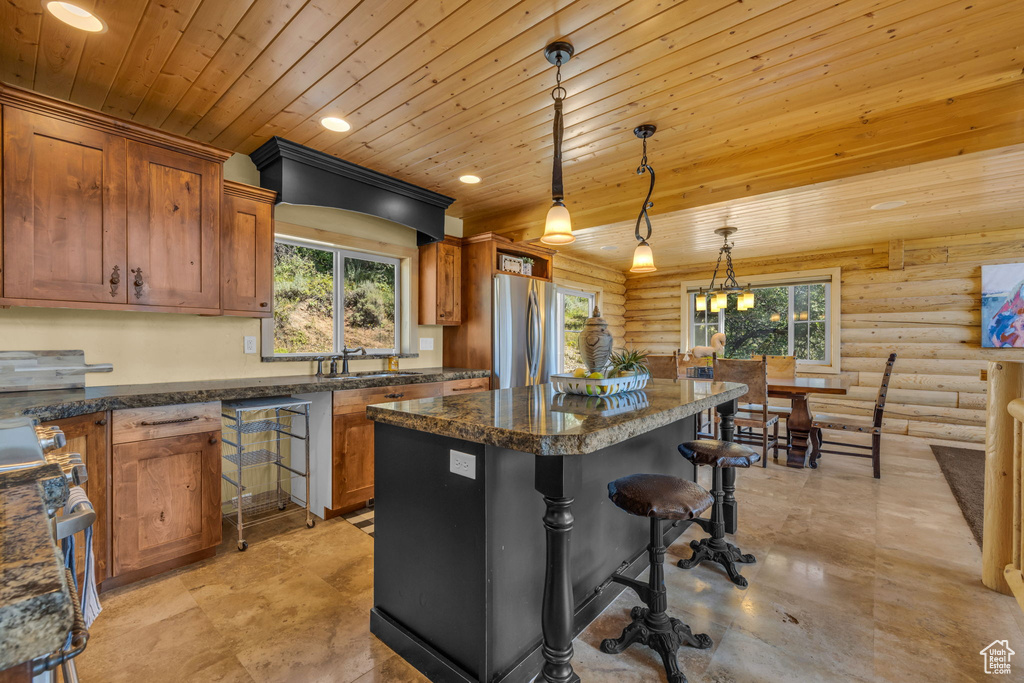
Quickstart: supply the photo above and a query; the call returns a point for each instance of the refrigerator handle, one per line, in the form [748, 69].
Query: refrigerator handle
[534, 338]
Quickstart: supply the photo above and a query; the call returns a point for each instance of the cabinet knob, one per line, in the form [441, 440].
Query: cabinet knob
[102, 421]
[264, 304]
[213, 440]
[442, 315]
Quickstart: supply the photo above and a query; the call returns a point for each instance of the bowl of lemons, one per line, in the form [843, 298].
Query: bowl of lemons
[608, 383]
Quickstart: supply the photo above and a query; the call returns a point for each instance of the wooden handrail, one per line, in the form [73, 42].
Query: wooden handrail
[1003, 537]
[1016, 409]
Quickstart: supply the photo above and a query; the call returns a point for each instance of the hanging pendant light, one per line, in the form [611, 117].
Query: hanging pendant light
[558, 225]
[643, 255]
[701, 302]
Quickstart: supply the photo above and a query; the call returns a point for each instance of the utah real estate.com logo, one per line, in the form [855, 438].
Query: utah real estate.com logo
[997, 657]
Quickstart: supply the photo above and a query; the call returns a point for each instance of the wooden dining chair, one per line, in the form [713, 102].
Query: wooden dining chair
[754, 374]
[674, 367]
[780, 367]
[857, 424]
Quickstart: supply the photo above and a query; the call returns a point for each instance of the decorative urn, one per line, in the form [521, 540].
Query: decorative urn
[595, 342]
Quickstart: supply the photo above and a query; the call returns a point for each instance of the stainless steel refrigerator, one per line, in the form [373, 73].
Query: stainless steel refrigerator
[525, 335]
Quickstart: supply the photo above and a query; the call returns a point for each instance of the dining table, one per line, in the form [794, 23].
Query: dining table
[799, 422]
[796, 389]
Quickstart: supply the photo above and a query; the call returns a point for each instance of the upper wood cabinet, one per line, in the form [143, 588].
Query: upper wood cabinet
[247, 250]
[64, 210]
[173, 228]
[103, 213]
[441, 282]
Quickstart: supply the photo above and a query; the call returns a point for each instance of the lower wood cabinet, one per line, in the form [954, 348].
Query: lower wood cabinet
[87, 436]
[166, 490]
[352, 441]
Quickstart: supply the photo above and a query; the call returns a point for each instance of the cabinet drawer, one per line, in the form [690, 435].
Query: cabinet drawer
[467, 386]
[140, 424]
[356, 400]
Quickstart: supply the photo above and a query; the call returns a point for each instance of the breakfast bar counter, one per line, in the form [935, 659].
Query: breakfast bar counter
[466, 585]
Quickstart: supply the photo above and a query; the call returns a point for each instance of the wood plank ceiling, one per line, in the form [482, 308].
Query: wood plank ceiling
[749, 97]
[972, 193]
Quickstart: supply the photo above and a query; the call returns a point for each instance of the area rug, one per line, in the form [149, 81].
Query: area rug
[964, 469]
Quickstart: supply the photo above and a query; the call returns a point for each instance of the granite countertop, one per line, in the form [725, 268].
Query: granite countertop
[35, 603]
[64, 403]
[35, 607]
[538, 420]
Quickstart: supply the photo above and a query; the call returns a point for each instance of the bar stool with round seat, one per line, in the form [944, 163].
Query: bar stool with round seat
[718, 454]
[659, 497]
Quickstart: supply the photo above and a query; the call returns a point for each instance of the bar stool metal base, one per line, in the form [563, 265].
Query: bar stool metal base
[660, 632]
[720, 551]
[716, 548]
[651, 625]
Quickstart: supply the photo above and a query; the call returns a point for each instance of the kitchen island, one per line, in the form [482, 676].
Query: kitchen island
[466, 585]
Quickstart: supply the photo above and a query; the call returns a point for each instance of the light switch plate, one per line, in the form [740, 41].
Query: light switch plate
[463, 464]
[426, 343]
[251, 345]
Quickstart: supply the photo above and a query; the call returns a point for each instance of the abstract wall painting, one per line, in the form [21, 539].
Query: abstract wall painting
[1002, 306]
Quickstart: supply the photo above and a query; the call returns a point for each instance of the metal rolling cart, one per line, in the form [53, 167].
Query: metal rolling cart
[255, 429]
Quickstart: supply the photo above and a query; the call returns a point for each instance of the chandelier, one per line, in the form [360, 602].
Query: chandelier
[715, 298]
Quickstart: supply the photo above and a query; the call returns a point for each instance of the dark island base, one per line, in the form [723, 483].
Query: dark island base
[459, 563]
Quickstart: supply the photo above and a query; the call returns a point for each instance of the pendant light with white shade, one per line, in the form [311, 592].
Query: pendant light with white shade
[643, 256]
[558, 225]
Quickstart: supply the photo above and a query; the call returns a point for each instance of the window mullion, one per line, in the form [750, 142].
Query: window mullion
[789, 320]
[339, 302]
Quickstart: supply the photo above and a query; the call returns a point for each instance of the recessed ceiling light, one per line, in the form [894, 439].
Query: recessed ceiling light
[469, 179]
[335, 124]
[72, 15]
[884, 206]
[609, 247]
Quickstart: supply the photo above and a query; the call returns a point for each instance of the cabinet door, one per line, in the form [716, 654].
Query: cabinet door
[87, 436]
[247, 250]
[166, 499]
[353, 460]
[64, 211]
[449, 283]
[173, 228]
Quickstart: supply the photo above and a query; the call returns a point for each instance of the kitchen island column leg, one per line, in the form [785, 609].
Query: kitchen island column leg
[726, 411]
[556, 478]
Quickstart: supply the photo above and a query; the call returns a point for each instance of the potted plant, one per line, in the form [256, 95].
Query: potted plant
[527, 265]
[628, 362]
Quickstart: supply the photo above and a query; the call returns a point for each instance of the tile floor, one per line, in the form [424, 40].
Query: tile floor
[856, 580]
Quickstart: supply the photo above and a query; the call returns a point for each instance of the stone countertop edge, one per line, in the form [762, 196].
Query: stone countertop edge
[547, 444]
[61, 404]
[306, 358]
[35, 603]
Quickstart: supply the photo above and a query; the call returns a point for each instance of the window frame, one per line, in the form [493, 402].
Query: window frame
[829, 276]
[561, 291]
[339, 255]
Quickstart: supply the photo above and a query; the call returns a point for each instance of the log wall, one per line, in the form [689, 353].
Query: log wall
[570, 272]
[919, 298]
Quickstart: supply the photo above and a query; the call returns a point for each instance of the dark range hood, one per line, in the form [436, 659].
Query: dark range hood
[301, 175]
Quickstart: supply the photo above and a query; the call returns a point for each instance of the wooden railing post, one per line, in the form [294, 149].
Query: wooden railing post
[1004, 385]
